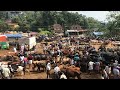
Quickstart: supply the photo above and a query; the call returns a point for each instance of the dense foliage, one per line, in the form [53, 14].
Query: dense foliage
[43, 20]
[32, 20]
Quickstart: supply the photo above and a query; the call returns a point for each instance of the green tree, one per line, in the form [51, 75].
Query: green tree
[3, 26]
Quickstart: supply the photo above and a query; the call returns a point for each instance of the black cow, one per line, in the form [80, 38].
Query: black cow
[40, 56]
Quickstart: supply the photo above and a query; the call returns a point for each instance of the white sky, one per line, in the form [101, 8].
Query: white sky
[99, 15]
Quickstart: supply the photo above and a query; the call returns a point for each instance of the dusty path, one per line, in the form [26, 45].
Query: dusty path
[42, 75]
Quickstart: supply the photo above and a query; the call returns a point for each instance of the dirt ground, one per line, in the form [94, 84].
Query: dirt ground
[42, 75]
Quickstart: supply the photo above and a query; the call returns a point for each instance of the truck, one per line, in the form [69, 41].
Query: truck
[30, 41]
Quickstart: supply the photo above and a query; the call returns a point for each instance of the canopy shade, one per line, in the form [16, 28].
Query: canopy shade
[14, 35]
[98, 33]
[76, 30]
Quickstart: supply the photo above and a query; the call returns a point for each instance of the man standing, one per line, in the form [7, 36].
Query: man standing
[30, 58]
[59, 52]
[90, 65]
[116, 73]
[21, 59]
[56, 71]
[22, 49]
[105, 75]
[76, 60]
[108, 70]
[48, 68]
[97, 66]
[25, 63]
[15, 50]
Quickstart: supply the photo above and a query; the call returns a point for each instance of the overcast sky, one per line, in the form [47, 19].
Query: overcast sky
[99, 15]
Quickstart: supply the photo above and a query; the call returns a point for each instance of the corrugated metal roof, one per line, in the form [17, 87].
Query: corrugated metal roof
[76, 30]
[98, 33]
[14, 35]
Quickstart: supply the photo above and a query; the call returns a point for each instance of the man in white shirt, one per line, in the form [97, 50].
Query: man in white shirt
[21, 58]
[15, 50]
[52, 52]
[48, 68]
[90, 65]
[72, 62]
[44, 50]
[22, 48]
[105, 75]
[116, 73]
[108, 70]
[59, 51]
[56, 71]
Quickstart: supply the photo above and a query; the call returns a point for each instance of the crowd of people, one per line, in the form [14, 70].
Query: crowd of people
[103, 61]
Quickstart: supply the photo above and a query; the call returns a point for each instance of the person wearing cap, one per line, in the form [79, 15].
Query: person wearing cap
[48, 68]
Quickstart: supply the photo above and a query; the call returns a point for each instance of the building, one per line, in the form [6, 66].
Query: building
[58, 29]
[75, 27]
[76, 31]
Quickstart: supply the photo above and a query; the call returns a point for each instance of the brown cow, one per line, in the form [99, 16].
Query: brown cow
[72, 71]
[39, 64]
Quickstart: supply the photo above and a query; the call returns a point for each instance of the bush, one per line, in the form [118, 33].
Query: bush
[45, 32]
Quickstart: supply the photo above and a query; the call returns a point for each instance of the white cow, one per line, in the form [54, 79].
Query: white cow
[20, 70]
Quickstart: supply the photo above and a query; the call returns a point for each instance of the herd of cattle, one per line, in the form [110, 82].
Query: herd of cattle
[63, 60]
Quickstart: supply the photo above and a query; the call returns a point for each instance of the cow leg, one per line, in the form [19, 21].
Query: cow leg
[48, 74]
[22, 73]
[24, 69]
[44, 68]
[38, 68]
[68, 77]
[12, 74]
[1, 75]
[78, 76]
[34, 66]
